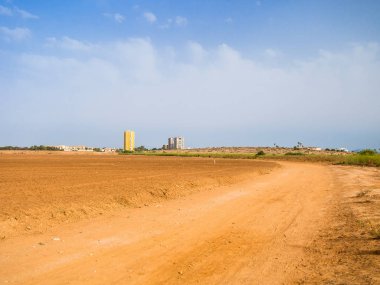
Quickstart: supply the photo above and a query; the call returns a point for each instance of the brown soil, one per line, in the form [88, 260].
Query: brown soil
[299, 224]
[39, 190]
[346, 249]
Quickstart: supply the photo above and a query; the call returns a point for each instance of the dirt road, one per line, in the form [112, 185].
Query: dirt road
[256, 232]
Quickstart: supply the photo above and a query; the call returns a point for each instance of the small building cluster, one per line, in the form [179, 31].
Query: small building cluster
[175, 143]
[84, 148]
[75, 148]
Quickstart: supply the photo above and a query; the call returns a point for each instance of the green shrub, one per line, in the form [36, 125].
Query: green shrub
[361, 159]
[294, 153]
[261, 152]
[368, 152]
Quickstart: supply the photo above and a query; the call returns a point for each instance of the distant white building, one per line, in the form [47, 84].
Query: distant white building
[74, 148]
[179, 143]
[176, 143]
[170, 143]
[108, 149]
[315, 148]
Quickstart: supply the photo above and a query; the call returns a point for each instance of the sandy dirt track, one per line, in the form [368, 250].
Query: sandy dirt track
[279, 228]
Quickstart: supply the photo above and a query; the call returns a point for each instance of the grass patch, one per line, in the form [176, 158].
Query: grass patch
[294, 153]
[374, 231]
[368, 152]
[340, 159]
[360, 159]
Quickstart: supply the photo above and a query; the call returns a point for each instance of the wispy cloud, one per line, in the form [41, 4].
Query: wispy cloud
[167, 24]
[17, 11]
[271, 53]
[118, 18]
[178, 21]
[68, 44]
[16, 34]
[5, 11]
[229, 20]
[218, 80]
[181, 21]
[25, 14]
[150, 17]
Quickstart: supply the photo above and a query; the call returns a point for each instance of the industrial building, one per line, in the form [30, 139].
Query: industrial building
[129, 140]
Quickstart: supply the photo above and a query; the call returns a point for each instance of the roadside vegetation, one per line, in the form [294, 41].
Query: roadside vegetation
[194, 154]
[33, 147]
[362, 159]
[365, 157]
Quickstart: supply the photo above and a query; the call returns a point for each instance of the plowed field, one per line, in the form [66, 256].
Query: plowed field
[40, 189]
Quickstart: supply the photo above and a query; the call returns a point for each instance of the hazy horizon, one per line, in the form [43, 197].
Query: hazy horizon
[221, 73]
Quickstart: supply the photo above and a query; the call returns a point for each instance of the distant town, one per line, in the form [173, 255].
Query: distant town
[128, 146]
[173, 143]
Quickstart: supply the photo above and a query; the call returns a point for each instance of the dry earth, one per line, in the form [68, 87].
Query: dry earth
[39, 190]
[297, 224]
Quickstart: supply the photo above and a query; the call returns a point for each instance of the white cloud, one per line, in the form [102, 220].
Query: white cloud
[197, 53]
[150, 17]
[5, 11]
[16, 34]
[167, 24]
[69, 44]
[178, 21]
[272, 53]
[118, 18]
[134, 83]
[25, 14]
[228, 54]
[181, 21]
[22, 13]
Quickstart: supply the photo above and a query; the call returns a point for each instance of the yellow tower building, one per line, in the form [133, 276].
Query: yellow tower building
[129, 140]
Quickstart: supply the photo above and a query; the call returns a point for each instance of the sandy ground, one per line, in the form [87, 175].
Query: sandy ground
[295, 224]
[40, 190]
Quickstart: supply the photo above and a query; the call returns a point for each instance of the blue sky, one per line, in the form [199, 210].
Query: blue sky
[220, 73]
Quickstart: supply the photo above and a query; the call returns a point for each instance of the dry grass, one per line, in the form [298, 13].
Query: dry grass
[374, 230]
[362, 194]
[302, 156]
